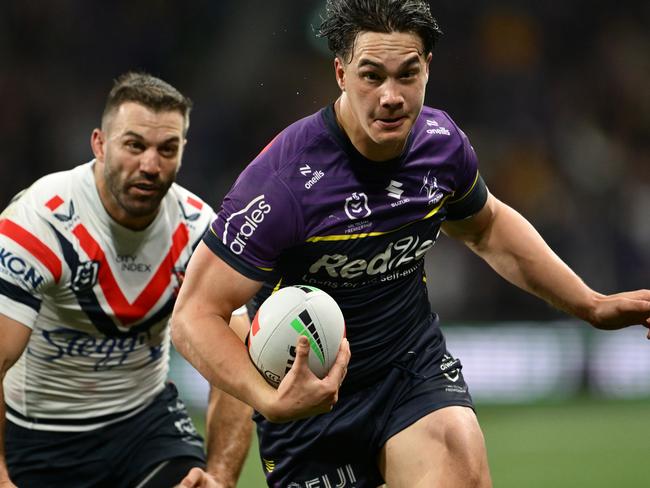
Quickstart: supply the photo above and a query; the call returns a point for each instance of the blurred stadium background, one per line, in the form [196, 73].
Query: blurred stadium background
[556, 100]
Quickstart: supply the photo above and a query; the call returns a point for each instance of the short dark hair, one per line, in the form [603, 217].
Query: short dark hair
[345, 19]
[149, 91]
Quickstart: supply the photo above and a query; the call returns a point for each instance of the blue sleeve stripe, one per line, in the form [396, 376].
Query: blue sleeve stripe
[17, 294]
[470, 203]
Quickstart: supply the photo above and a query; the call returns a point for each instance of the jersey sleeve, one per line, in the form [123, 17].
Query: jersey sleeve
[471, 193]
[258, 220]
[29, 263]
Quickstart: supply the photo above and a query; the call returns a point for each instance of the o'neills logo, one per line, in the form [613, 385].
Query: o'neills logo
[315, 176]
[243, 224]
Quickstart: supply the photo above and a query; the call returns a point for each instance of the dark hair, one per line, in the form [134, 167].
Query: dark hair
[149, 91]
[345, 19]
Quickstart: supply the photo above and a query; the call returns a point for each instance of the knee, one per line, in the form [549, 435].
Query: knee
[465, 446]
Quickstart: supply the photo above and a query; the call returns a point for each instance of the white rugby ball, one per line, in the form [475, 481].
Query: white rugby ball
[286, 314]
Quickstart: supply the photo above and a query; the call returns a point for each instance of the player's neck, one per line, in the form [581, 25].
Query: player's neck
[351, 126]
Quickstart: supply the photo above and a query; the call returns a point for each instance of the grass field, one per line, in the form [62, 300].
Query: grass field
[584, 443]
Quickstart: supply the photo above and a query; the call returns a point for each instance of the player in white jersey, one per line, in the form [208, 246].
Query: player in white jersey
[91, 261]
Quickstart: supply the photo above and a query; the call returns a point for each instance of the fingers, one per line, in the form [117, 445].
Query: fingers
[193, 478]
[340, 367]
[302, 347]
[638, 294]
[302, 354]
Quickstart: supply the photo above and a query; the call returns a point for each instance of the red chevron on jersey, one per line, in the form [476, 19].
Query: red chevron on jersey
[127, 312]
[34, 245]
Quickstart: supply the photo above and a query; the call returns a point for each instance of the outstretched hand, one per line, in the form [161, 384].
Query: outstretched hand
[301, 393]
[197, 478]
[622, 310]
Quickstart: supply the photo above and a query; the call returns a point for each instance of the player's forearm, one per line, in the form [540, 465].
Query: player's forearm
[4, 473]
[220, 356]
[514, 249]
[228, 430]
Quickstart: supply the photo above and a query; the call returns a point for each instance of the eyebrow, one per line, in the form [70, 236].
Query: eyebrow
[130, 133]
[367, 62]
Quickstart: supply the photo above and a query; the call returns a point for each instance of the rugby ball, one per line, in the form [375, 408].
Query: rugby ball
[288, 313]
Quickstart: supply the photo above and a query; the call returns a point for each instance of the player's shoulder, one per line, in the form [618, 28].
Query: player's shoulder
[436, 127]
[290, 145]
[48, 192]
[436, 121]
[189, 207]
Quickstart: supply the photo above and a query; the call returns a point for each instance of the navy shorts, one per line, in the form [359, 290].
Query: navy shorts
[341, 448]
[115, 456]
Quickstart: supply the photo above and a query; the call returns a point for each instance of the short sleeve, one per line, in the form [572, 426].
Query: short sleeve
[29, 263]
[471, 193]
[258, 220]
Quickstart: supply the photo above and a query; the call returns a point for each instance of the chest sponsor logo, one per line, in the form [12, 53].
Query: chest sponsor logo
[396, 254]
[18, 268]
[356, 206]
[129, 263]
[395, 191]
[241, 226]
[105, 352]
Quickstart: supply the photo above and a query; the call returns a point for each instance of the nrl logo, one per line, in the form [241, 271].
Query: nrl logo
[356, 206]
[85, 276]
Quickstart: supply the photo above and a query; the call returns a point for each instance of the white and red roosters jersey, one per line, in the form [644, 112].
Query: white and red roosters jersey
[97, 297]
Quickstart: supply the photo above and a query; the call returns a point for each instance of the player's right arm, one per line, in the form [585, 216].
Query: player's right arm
[211, 290]
[14, 341]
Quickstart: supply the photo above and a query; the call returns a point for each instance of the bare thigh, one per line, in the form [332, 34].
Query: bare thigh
[444, 449]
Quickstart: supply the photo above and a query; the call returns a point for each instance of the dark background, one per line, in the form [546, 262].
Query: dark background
[555, 97]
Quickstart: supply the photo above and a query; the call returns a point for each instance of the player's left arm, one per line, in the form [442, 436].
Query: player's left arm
[515, 250]
[229, 426]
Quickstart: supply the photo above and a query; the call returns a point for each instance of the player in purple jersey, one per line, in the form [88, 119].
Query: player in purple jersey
[349, 200]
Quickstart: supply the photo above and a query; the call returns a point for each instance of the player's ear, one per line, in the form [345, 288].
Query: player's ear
[97, 141]
[339, 70]
[427, 63]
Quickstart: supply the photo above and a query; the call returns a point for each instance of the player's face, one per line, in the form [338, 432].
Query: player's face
[383, 88]
[138, 154]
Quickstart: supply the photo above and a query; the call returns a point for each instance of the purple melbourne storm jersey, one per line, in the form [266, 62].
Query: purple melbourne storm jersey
[310, 209]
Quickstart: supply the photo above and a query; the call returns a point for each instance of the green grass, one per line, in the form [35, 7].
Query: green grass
[583, 443]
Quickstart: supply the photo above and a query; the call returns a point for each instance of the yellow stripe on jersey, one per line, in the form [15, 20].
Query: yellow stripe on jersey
[347, 237]
[468, 191]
